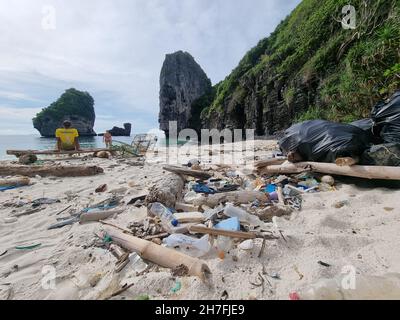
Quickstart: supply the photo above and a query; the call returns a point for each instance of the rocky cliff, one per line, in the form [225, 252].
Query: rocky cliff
[182, 81]
[312, 67]
[73, 105]
[121, 132]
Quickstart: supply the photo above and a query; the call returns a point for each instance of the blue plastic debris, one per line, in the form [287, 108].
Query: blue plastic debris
[231, 224]
[270, 188]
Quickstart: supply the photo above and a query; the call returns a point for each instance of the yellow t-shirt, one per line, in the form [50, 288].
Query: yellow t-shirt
[67, 137]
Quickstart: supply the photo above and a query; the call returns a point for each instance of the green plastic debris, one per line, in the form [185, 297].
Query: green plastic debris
[178, 286]
[143, 297]
[28, 247]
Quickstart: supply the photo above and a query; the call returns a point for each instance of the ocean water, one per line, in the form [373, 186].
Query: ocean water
[35, 142]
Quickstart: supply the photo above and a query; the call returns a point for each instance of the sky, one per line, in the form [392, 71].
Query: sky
[115, 50]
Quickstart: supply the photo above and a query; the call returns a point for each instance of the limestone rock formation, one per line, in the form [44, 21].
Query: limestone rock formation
[182, 81]
[73, 105]
[121, 132]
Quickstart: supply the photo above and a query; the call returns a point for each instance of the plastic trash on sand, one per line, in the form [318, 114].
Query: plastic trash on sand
[192, 246]
[166, 216]
[362, 287]
[243, 216]
[231, 224]
[137, 263]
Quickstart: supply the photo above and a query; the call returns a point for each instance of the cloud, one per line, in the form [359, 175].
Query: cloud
[115, 49]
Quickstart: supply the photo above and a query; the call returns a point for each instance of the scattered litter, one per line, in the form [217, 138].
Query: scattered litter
[101, 188]
[29, 247]
[177, 287]
[324, 264]
[38, 202]
[247, 245]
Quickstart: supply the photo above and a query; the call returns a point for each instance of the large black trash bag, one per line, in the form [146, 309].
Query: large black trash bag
[369, 127]
[386, 117]
[324, 141]
[382, 155]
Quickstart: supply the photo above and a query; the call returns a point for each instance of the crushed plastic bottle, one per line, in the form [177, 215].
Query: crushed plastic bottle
[137, 263]
[386, 287]
[166, 216]
[243, 216]
[223, 245]
[192, 246]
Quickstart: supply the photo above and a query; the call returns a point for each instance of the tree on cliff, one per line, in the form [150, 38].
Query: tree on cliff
[73, 105]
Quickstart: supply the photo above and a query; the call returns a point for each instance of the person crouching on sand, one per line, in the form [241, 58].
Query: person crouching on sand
[107, 139]
[67, 138]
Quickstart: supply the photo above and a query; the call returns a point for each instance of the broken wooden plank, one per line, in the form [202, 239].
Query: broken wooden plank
[47, 170]
[240, 197]
[187, 172]
[367, 172]
[19, 153]
[221, 232]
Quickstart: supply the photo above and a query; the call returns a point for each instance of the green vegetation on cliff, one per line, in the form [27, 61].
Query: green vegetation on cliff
[71, 102]
[339, 73]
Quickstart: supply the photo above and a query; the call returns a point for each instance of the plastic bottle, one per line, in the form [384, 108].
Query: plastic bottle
[365, 287]
[137, 263]
[166, 216]
[194, 247]
[242, 215]
[223, 245]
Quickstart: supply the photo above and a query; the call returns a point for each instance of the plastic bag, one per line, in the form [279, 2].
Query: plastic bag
[324, 141]
[382, 155]
[386, 117]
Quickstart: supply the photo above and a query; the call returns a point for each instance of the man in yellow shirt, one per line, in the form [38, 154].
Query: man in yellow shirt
[67, 138]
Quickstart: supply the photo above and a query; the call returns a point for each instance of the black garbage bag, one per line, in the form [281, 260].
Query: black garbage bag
[386, 117]
[382, 155]
[369, 127]
[324, 141]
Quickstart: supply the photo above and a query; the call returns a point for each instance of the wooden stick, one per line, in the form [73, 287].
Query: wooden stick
[17, 181]
[367, 172]
[160, 235]
[19, 153]
[98, 215]
[27, 212]
[117, 227]
[185, 207]
[281, 198]
[58, 213]
[45, 171]
[269, 162]
[165, 257]
[118, 292]
[235, 197]
[187, 172]
[225, 233]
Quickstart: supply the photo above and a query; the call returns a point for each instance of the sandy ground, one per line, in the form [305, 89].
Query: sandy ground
[363, 233]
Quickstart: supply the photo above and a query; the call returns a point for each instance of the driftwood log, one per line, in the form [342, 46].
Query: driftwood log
[239, 197]
[167, 191]
[269, 162]
[367, 172]
[188, 172]
[157, 254]
[17, 181]
[98, 215]
[19, 153]
[46, 171]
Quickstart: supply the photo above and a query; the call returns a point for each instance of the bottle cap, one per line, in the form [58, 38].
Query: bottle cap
[174, 222]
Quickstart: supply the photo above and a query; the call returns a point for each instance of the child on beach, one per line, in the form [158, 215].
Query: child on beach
[107, 139]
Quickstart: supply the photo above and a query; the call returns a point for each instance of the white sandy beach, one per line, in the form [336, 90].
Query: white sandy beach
[362, 233]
